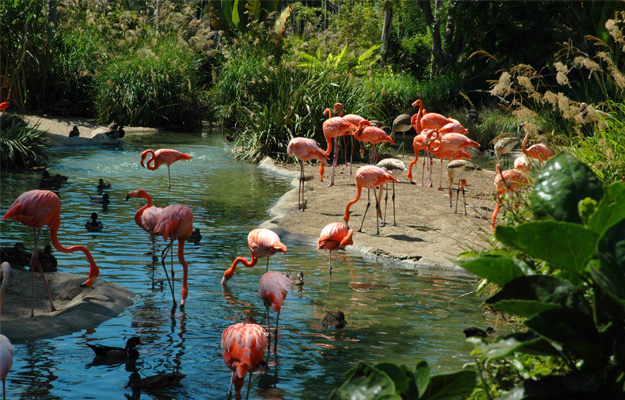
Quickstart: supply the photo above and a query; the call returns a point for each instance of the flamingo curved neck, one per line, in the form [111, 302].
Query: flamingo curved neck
[94, 271]
[349, 203]
[230, 271]
[151, 159]
[338, 109]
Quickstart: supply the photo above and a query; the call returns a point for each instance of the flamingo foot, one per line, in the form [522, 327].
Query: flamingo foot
[430, 185]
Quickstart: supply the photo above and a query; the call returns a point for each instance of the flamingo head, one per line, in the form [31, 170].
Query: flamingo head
[337, 107]
[417, 103]
[4, 105]
[327, 111]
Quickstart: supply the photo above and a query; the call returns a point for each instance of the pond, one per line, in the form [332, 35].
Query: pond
[392, 314]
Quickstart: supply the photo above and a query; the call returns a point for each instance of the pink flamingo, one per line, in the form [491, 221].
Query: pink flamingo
[6, 348]
[243, 349]
[36, 209]
[274, 287]
[262, 243]
[508, 181]
[449, 155]
[369, 176]
[353, 119]
[304, 149]
[419, 143]
[453, 127]
[539, 151]
[147, 215]
[372, 134]
[335, 236]
[162, 156]
[432, 120]
[175, 222]
[334, 127]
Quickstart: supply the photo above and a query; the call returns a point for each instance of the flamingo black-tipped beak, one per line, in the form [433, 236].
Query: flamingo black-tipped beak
[127, 197]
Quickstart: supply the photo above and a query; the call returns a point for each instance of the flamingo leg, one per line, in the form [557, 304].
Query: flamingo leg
[34, 260]
[366, 209]
[430, 170]
[378, 210]
[334, 161]
[267, 268]
[330, 263]
[351, 154]
[171, 286]
[464, 200]
[457, 197]
[268, 330]
[385, 199]
[231, 380]
[249, 384]
[169, 185]
[301, 205]
[275, 347]
[393, 198]
[440, 180]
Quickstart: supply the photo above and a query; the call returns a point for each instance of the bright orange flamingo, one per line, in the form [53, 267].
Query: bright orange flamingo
[4, 105]
[419, 143]
[274, 287]
[432, 120]
[369, 176]
[175, 222]
[538, 151]
[147, 215]
[372, 134]
[162, 156]
[335, 236]
[508, 181]
[262, 243]
[334, 127]
[243, 350]
[304, 149]
[36, 209]
[459, 171]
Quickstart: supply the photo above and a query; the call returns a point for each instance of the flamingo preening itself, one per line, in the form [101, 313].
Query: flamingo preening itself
[175, 222]
[262, 243]
[304, 149]
[274, 287]
[459, 171]
[335, 236]
[369, 176]
[153, 159]
[36, 209]
[243, 350]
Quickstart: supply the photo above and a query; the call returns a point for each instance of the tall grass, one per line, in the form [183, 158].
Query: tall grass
[21, 145]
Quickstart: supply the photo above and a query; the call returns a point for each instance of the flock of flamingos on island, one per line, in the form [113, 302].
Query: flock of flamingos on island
[244, 344]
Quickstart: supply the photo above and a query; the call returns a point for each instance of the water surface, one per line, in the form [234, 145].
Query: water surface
[392, 315]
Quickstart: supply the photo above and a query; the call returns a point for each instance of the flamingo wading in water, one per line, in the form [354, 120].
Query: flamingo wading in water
[262, 243]
[175, 222]
[36, 209]
[147, 215]
[6, 348]
[153, 159]
[243, 350]
[369, 176]
[335, 236]
[304, 149]
[274, 287]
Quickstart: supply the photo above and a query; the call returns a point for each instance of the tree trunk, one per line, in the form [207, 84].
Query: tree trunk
[52, 8]
[443, 57]
[386, 29]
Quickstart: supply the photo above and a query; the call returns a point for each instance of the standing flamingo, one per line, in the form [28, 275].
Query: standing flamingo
[305, 149]
[162, 156]
[175, 222]
[274, 287]
[368, 133]
[508, 181]
[6, 348]
[369, 176]
[147, 215]
[335, 236]
[432, 120]
[36, 209]
[459, 171]
[334, 127]
[5, 270]
[262, 243]
[419, 143]
[243, 350]
[539, 151]
[391, 165]
[353, 119]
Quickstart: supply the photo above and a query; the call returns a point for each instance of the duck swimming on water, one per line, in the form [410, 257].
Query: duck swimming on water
[129, 352]
[155, 382]
[103, 185]
[94, 225]
[104, 199]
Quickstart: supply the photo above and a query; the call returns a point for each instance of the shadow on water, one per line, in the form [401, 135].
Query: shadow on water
[391, 314]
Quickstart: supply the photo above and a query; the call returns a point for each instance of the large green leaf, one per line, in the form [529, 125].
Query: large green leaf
[365, 382]
[422, 375]
[497, 269]
[611, 208]
[565, 245]
[610, 273]
[397, 374]
[562, 183]
[530, 295]
[450, 386]
[525, 342]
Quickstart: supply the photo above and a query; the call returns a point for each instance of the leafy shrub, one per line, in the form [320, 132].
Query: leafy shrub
[416, 54]
[21, 145]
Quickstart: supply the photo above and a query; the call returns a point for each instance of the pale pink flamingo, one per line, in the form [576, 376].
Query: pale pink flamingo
[334, 127]
[508, 181]
[538, 151]
[36, 209]
[372, 134]
[262, 243]
[6, 348]
[175, 222]
[147, 215]
[448, 155]
[5, 271]
[522, 164]
[305, 149]
[453, 127]
[162, 156]
[335, 236]
[459, 171]
[274, 287]
[369, 176]
[243, 350]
